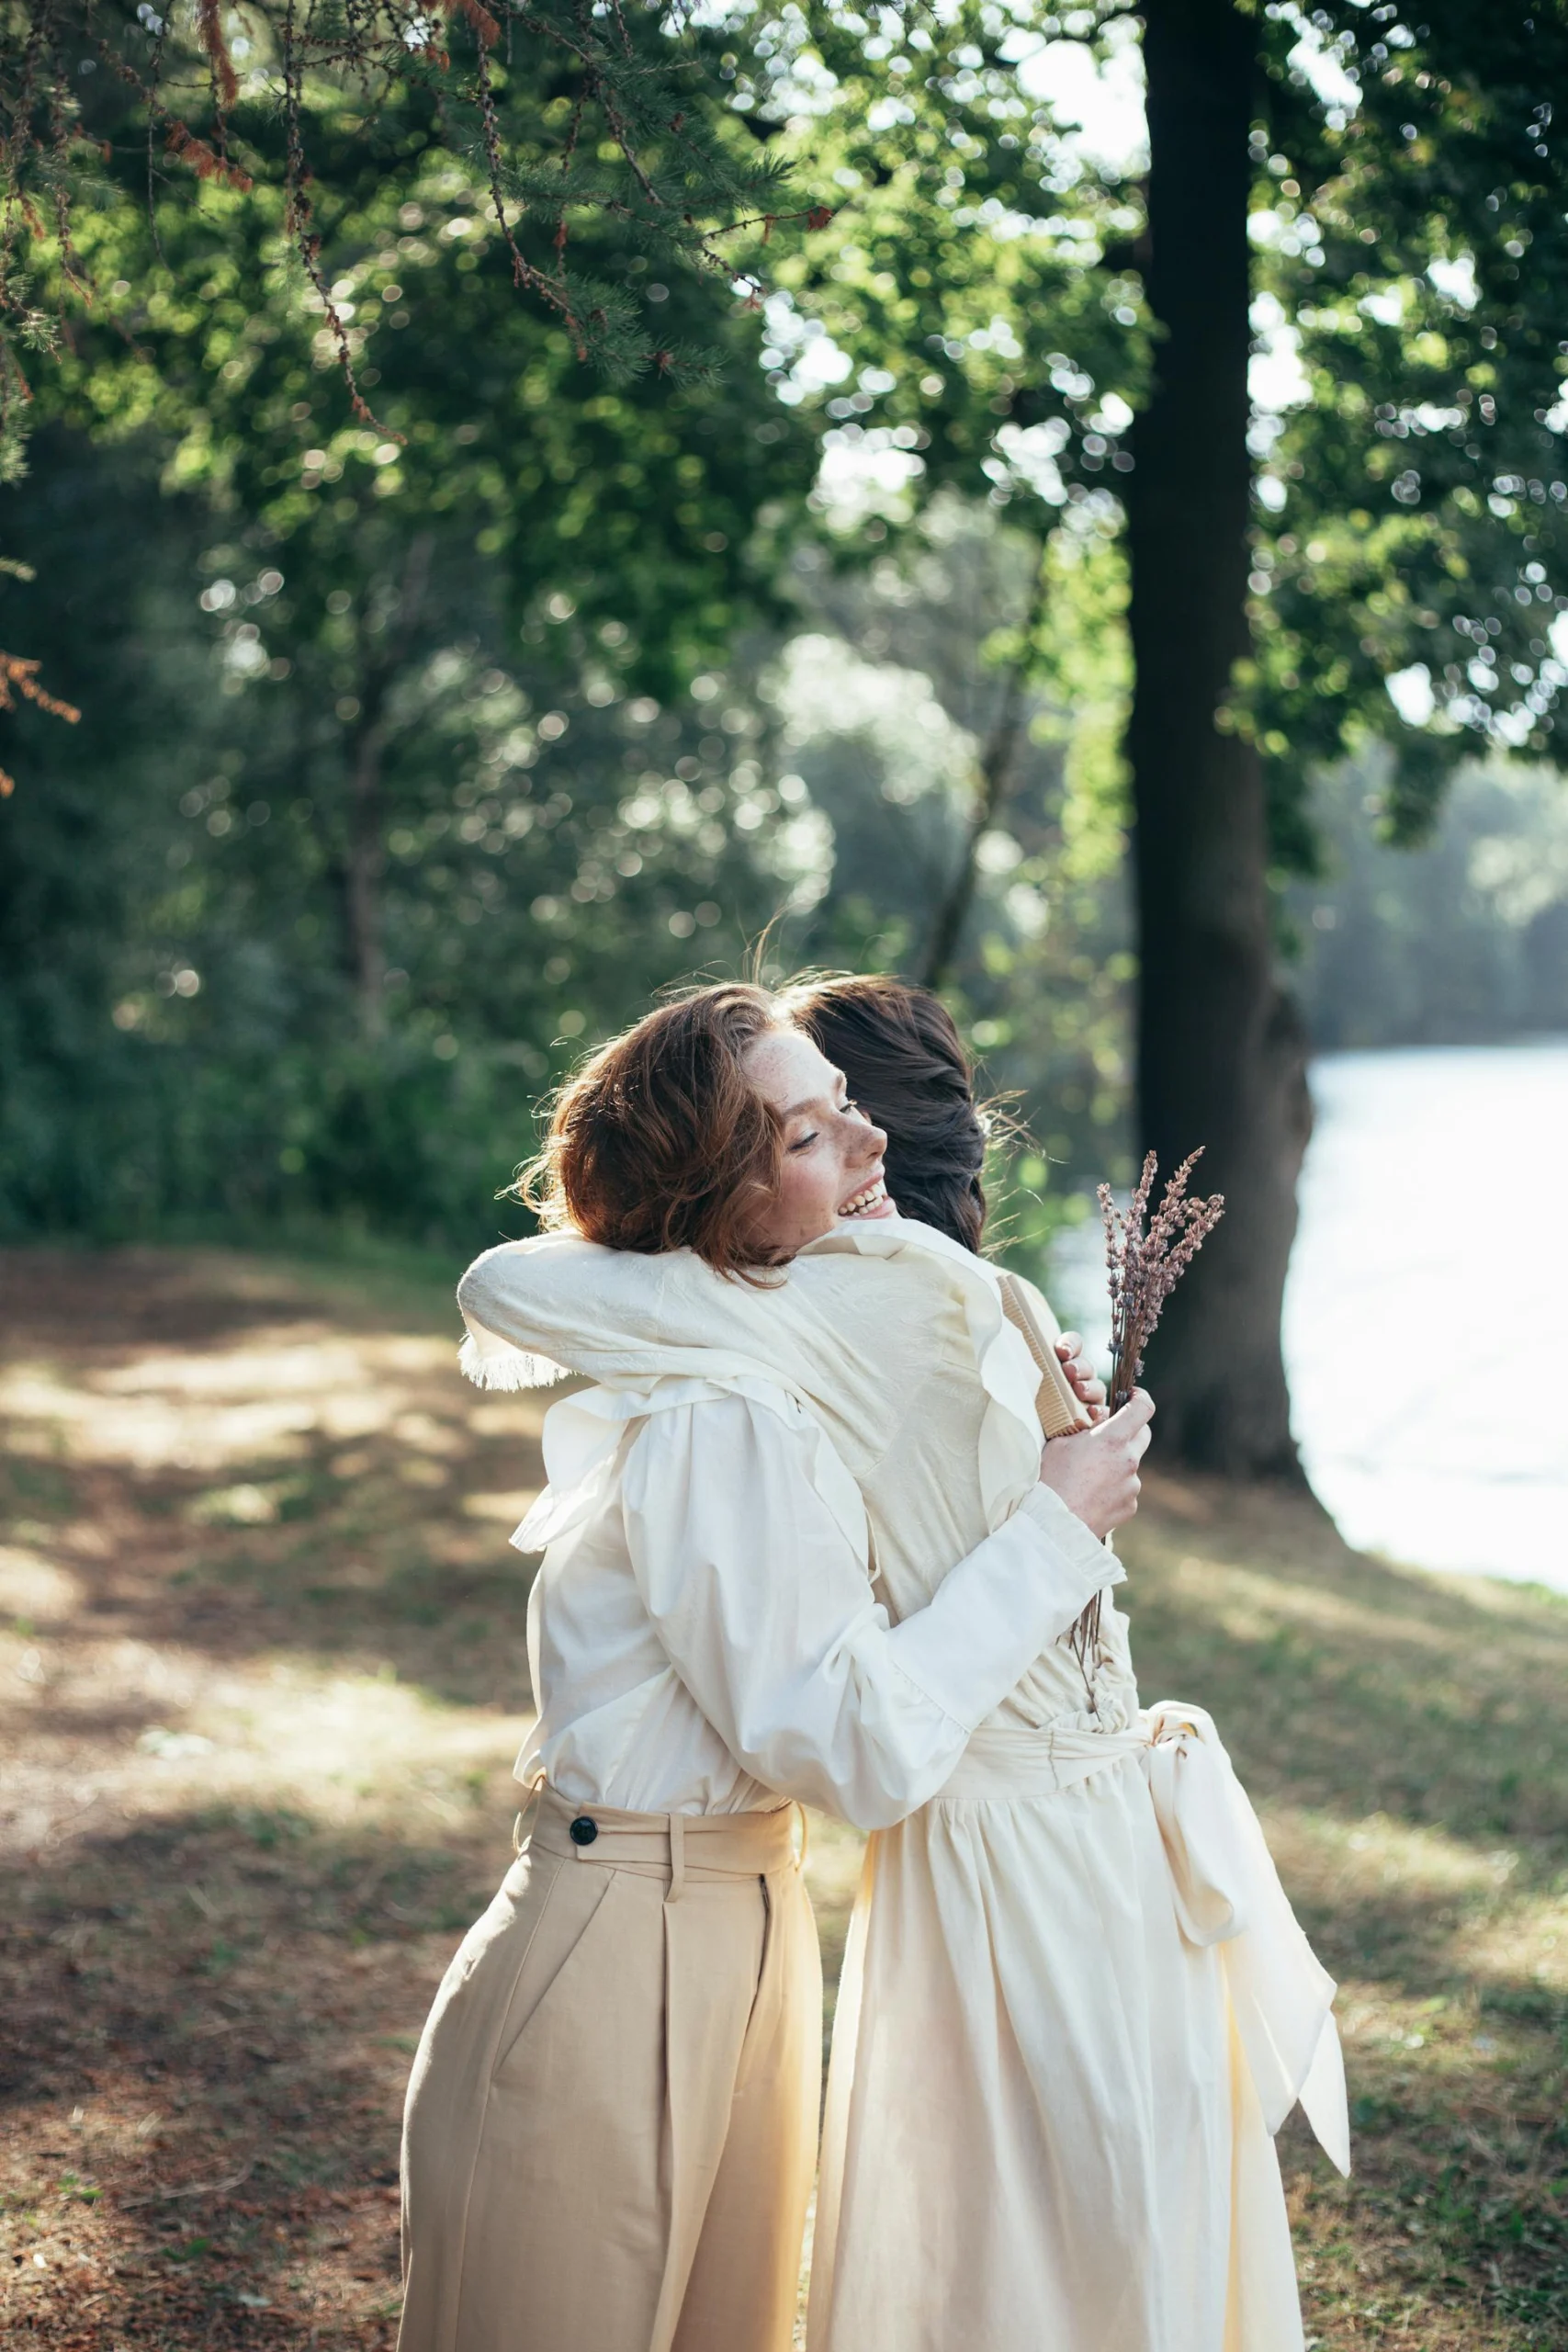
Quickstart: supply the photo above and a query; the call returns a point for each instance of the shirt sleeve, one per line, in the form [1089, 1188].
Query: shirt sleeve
[766, 1613]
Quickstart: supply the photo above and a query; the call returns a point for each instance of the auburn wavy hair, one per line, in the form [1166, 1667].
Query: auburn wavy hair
[662, 1142]
[907, 1069]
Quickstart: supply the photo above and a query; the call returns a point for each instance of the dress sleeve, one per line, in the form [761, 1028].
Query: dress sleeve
[766, 1613]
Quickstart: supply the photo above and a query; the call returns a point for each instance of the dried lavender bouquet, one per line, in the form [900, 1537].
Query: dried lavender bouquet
[1145, 1260]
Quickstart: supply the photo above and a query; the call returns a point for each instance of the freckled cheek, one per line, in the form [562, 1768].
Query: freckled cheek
[812, 1199]
[797, 1193]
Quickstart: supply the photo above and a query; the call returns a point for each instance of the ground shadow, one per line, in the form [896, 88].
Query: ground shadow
[210, 2022]
[261, 1648]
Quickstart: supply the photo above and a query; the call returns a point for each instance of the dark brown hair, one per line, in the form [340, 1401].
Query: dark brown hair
[660, 1141]
[907, 1068]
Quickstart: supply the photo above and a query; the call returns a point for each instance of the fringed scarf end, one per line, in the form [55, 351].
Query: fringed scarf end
[496, 1364]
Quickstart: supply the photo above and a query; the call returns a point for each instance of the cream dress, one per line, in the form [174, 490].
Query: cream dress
[1075, 2005]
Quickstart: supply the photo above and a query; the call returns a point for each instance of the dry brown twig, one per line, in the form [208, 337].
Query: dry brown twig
[1145, 1259]
[19, 676]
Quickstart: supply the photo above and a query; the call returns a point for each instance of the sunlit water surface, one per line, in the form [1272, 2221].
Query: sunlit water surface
[1427, 1312]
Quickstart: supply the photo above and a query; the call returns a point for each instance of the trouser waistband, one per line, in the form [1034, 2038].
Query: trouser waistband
[673, 1847]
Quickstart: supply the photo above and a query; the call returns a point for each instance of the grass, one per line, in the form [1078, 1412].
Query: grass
[1404, 1736]
[261, 1660]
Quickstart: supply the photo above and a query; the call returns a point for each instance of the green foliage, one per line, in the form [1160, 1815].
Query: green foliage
[981, 282]
[421, 745]
[568, 117]
[1416, 517]
[489, 433]
[399, 776]
[197, 1019]
[884, 717]
[978, 279]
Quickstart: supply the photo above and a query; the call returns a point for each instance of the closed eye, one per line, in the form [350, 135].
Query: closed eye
[804, 1143]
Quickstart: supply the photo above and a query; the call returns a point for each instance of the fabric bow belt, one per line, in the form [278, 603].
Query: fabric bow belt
[1223, 1885]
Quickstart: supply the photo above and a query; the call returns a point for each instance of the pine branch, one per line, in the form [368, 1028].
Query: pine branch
[678, 182]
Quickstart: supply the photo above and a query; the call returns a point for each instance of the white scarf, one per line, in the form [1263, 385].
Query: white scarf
[633, 1325]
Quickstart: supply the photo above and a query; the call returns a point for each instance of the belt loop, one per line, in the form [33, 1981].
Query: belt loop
[677, 1857]
[534, 1790]
[805, 1836]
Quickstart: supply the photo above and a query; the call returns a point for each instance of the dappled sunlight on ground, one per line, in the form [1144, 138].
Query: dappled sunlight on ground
[264, 1681]
[263, 1674]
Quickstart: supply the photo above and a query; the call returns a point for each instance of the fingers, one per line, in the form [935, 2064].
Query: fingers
[1070, 1348]
[1136, 1413]
[1129, 1430]
[1085, 1385]
[1124, 1506]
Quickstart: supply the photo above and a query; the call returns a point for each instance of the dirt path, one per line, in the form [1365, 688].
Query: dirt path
[262, 1672]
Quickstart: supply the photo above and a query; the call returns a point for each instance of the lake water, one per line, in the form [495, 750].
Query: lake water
[1427, 1312]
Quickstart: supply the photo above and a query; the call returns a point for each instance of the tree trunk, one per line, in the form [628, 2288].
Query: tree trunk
[999, 765]
[1221, 1050]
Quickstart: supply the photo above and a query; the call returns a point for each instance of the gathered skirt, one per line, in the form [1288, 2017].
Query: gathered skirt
[1042, 2134]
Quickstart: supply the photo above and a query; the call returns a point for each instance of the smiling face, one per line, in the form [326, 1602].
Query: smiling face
[830, 1164]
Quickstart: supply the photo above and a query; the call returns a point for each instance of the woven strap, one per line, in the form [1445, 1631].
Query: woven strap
[1060, 1411]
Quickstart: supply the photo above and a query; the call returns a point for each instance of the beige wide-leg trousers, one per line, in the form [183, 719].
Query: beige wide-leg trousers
[612, 2119]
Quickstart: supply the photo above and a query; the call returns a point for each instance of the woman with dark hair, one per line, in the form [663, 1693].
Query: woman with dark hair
[611, 2124]
[1075, 2003]
[904, 1063]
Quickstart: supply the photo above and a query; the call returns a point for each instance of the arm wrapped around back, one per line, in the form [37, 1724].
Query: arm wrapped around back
[767, 1615]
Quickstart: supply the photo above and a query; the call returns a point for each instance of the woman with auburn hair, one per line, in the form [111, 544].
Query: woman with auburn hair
[1075, 2003]
[612, 2118]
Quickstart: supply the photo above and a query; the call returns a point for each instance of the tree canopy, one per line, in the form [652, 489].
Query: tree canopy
[1408, 230]
[419, 744]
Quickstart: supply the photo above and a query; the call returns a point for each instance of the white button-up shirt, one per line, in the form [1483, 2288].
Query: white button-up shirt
[704, 1636]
